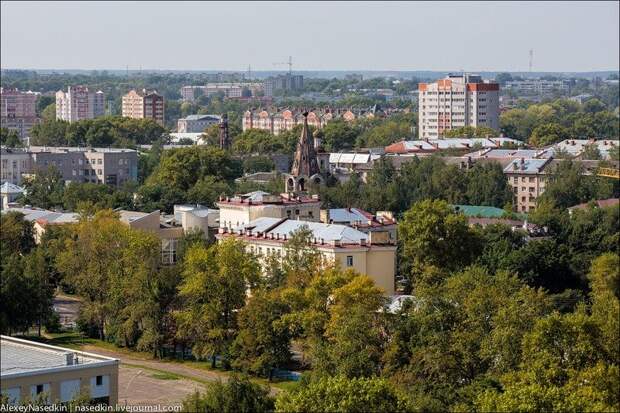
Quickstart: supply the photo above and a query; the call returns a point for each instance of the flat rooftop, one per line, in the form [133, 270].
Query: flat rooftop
[23, 357]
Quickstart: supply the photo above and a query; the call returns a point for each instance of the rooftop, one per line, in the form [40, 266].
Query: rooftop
[430, 145]
[61, 149]
[479, 211]
[279, 228]
[23, 358]
[352, 216]
[45, 216]
[527, 166]
[9, 188]
[202, 117]
[265, 198]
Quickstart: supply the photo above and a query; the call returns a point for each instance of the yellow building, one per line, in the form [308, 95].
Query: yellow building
[31, 371]
[373, 254]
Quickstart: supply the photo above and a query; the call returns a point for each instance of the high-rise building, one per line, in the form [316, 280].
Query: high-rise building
[18, 110]
[144, 105]
[79, 103]
[283, 82]
[457, 101]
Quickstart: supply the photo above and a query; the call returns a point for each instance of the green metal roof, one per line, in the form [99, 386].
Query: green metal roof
[479, 211]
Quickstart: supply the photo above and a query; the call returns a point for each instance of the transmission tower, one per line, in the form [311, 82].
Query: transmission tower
[531, 59]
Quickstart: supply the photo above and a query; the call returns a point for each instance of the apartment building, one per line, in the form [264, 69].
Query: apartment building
[283, 82]
[457, 101]
[241, 209]
[18, 110]
[109, 166]
[528, 178]
[372, 254]
[537, 86]
[36, 371]
[143, 105]
[14, 163]
[196, 123]
[78, 103]
[227, 89]
[429, 146]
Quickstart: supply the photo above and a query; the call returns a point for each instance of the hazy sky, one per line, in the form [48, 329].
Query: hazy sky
[475, 36]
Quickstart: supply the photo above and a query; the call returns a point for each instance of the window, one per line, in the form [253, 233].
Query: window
[99, 172]
[99, 380]
[99, 162]
[349, 260]
[531, 179]
[39, 388]
[296, 212]
[169, 251]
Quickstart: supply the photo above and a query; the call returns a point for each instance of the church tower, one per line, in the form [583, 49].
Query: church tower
[305, 166]
[224, 140]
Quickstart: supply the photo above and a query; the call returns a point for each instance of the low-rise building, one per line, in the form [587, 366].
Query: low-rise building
[430, 146]
[9, 193]
[538, 86]
[373, 254]
[242, 209]
[110, 166]
[36, 371]
[576, 147]
[197, 123]
[527, 178]
[14, 163]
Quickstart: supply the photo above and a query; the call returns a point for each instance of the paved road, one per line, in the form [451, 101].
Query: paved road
[67, 308]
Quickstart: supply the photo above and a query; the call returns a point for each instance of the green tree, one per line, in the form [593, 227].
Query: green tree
[547, 134]
[264, 339]
[45, 190]
[342, 394]
[10, 138]
[237, 395]
[471, 132]
[258, 164]
[213, 290]
[207, 191]
[431, 234]
[339, 135]
[487, 185]
[17, 235]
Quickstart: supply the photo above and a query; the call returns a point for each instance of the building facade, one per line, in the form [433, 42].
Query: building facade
[196, 123]
[241, 209]
[14, 163]
[457, 101]
[18, 110]
[283, 82]
[527, 178]
[78, 103]
[227, 89]
[537, 86]
[372, 254]
[144, 105]
[36, 371]
[97, 165]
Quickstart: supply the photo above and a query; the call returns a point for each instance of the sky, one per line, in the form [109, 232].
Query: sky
[442, 36]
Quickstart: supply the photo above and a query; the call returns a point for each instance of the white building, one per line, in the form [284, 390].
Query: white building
[241, 209]
[32, 371]
[196, 123]
[538, 86]
[457, 101]
[79, 103]
[14, 163]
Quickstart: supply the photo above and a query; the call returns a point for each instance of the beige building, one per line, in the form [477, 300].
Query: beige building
[364, 221]
[78, 103]
[18, 110]
[144, 105]
[528, 178]
[457, 101]
[373, 254]
[32, 371]
[242, 209]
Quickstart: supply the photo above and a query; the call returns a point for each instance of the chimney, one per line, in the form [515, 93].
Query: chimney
[71, 359]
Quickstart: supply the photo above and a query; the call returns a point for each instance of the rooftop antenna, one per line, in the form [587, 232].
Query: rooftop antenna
[531, 59]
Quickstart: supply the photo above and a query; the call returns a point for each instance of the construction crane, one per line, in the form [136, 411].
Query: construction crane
[289, 63]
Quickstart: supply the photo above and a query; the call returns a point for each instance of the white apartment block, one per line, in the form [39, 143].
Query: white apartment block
[457, 101]
[79, 103]
[537, 86]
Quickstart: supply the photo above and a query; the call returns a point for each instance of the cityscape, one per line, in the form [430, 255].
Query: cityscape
[310, 206]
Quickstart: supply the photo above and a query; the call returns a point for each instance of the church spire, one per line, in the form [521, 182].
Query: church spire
[305, 163]
[224, 140]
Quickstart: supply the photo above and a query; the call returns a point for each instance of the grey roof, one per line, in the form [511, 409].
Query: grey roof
[214, 118]
[255, 196]
[34, 214]
[23, 357]
[9, 188]
[349, 215]
[326, 232]
[526, 166]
